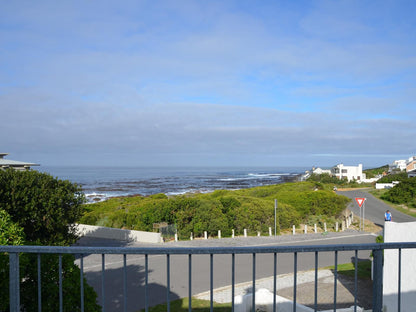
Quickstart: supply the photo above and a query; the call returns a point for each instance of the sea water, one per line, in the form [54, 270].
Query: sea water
[100, 183]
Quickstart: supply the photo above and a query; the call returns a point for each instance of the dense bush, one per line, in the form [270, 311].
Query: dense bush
[402, 193]
[401, 176]
[37, 209]
[251, 209]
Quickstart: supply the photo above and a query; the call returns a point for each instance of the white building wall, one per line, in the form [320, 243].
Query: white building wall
[349, 172]
[399, 232]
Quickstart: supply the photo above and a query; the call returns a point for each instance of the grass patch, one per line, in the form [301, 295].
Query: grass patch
[348, 269]
[198, 305]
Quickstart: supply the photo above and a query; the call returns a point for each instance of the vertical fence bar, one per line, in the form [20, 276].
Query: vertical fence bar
[61, 299]
[295, 274]
[335, 280]
[39, 285]
[211, 282]
[190, 282]
[377, 280]
[103, 281]
[355, 280]
[82, 282]
[232, 281]
[399, 299]
[316, 282]
[168, 282]
[254, 284]
[125, 282]
[14, 282]
[274, 281]
[146, 282]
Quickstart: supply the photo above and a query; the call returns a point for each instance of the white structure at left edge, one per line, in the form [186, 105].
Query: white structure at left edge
[348, 172]
[17, 165]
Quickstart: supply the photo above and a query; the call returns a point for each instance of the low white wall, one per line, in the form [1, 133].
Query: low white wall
[399, 232]
[380, 186]
[119, 234]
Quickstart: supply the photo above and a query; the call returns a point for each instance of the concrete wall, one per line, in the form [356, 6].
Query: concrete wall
[380, 186]
[119, 234]
[399, 232]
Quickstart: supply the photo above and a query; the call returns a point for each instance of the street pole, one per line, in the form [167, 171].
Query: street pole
[363, 213]
[275, 208]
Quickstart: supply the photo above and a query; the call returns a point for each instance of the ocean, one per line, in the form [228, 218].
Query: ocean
[100, 183]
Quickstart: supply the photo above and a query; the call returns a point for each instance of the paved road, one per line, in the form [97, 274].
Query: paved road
[374, 208]
[201, 266]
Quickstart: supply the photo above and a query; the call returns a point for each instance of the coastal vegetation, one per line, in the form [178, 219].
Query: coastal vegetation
[36, 209]
[225, 210]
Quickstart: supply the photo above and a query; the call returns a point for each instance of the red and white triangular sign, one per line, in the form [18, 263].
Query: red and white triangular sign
[360, 201]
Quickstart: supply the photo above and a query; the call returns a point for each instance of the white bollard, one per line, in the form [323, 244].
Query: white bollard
[176, 237]
[245, 232]
[315, 229]
[205, 235]
[336, 226]
[192, 236]
[294, 230]
[219, 233]
[258, 233]
[306, 229]
[343, 226]
[325, 227]
[232, 233]
[270, 231]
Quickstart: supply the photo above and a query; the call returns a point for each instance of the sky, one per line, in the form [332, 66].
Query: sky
[208, 83]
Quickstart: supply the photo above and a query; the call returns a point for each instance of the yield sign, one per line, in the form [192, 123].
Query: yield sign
[359, 201]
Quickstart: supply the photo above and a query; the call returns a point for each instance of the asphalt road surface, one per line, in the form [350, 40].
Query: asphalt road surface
[222, 266]
[374, 208]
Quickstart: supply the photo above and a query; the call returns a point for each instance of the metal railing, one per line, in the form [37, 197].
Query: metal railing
[376, 249]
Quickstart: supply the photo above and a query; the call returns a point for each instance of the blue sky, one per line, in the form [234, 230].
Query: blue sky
[217, 83]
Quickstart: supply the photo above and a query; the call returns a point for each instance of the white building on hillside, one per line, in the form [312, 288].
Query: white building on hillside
[348, 172]
[398, 165]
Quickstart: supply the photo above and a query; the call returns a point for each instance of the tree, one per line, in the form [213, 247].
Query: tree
[39, 209]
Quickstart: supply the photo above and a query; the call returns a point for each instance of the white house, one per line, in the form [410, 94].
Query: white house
[18, 165]
[348, 172]
[398, 165]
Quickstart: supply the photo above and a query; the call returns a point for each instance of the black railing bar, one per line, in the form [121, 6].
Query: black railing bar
[146, 283]
[335, 280]
[355, 280]
[168, 282]
[400, 282]
[39, 284]
[316, 282]
[103, 281]
[253, 308]
[14, 276]
[205, 250]
[61, 301]
[82, 282]
[295, 274]
[190, 282]
[274, 280]
[125, 282]
[211, 281]
[232, 281]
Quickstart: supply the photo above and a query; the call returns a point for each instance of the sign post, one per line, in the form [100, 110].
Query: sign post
[275, 222]
[360, 201]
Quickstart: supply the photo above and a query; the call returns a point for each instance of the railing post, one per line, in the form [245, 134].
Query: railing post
[14, 283]
[377, 280]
